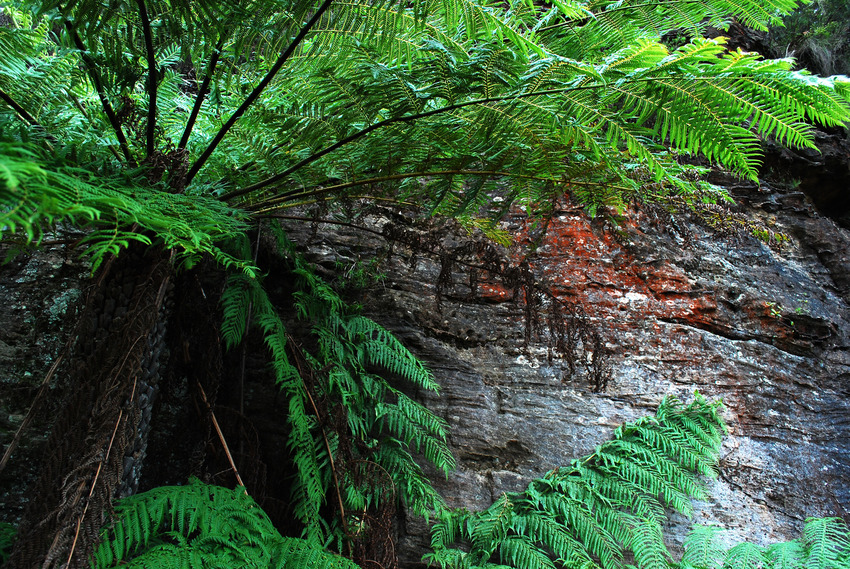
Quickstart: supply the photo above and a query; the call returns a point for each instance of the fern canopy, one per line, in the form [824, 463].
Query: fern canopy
[600, 510]
[254, 107]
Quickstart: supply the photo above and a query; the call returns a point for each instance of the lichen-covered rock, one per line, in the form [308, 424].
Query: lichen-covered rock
[39, 298]
[680, 309]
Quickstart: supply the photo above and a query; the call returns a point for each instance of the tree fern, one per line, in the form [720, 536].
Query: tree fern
[593, 512]
[182, 124]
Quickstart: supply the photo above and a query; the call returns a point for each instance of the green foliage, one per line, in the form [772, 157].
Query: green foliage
[207, 526]
[7, 540]
[201, 526]
[432, 102]
[825, 544]
[817, 35]
[589, 514]
[36, 194]
[179, 124]
[354, 370]
[604, 506]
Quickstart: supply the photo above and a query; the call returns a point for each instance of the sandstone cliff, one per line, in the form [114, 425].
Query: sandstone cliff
[679, 308]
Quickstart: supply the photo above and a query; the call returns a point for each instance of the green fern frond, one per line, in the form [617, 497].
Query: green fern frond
[491, 528]
[33, 196]
[702, 548]
[673, 445]
[540, 527]
[647, 544]
[311, 481]
[293, 553]
[825, 544]
[475, 81]
[744, 556]
[198, 525]
[413, 486]
[627, 20]
[519, 552]
[7, 540]
[349, 349]
[591, 514]
[787, 555]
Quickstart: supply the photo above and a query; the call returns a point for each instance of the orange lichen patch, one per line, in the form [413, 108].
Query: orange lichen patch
[586, 265]
[492, 291]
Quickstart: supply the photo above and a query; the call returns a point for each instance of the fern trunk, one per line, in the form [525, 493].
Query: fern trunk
[97, 442]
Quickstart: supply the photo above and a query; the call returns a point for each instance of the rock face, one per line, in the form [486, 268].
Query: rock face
[679, 309]
[39, 295]
[676, 308]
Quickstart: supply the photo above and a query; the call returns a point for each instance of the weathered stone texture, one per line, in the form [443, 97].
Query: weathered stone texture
[39, 297]
[680, 309]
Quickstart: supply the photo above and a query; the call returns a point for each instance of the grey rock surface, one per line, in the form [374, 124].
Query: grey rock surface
[679, 309]
[39, 301]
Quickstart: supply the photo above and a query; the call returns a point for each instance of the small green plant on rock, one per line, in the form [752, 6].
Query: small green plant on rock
[774, 309]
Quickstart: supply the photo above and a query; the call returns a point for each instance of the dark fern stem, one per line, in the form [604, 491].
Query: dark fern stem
[598, 366]
[373, 535]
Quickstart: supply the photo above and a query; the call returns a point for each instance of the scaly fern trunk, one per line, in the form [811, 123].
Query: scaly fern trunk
[97, 443]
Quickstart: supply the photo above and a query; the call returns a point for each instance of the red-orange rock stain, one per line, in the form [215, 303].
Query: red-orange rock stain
[586, 265]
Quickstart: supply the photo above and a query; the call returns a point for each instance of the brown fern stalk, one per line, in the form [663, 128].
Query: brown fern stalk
[91, 69]
[267, 204]
[221, 438]
[258, 90]
[94, 480]
[151, 56]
